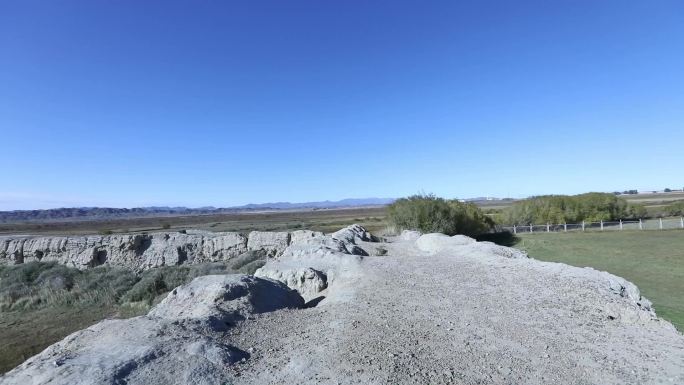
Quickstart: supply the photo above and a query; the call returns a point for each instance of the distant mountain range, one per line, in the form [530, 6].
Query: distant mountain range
[319, 205]
[85, 213]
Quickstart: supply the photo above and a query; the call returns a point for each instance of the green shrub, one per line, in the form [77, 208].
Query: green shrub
[431, 214]
[675, 209]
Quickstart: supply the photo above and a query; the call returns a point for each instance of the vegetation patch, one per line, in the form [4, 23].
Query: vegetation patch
[41, 303]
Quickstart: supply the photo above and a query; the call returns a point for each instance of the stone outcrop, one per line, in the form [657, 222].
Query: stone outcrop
[145, 251]
[460, 244]
[353, 234]
[313, 262]
[178, 342]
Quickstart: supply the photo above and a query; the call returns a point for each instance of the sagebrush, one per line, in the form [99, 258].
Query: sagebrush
[431, 214]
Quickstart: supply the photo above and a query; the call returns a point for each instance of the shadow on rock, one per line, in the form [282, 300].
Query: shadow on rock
[314, 302]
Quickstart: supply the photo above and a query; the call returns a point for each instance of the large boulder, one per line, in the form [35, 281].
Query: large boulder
[489, 248]
[313, 264]
[353, 234]
[224, 299]
[306, 281]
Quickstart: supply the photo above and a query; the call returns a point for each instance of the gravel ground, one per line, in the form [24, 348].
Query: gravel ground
[459, 318]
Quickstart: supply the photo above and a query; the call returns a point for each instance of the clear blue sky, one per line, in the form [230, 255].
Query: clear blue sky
[129, 103]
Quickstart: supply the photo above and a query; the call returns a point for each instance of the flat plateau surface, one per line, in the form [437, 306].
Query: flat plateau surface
[458, 319]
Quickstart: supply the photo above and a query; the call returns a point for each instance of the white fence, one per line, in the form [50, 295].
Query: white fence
[646, 224]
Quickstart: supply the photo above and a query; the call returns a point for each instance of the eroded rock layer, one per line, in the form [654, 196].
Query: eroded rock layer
[144, 251]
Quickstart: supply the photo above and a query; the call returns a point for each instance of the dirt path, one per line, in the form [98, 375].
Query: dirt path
[458, 319]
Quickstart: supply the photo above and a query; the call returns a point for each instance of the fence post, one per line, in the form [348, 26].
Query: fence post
[531, 229]
[660, 223]
[565, 227]
[582, 225]
[620, 224]
[641, 224]
[601, 225]
[681, 221]
[515, 231]
[548, 228]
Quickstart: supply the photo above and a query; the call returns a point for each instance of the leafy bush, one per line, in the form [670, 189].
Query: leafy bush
[590, 207]
[431, 214]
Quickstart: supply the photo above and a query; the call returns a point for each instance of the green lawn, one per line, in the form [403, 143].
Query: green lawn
[653, 260]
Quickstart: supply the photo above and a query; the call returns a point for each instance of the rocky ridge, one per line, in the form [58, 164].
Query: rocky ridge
[145, 251]
[435, 309]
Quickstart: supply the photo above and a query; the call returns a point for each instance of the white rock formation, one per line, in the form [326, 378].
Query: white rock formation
[145, 251]
[306, 281]
[273, 243]
[301, 236]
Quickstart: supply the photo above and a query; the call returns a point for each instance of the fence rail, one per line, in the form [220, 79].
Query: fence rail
[645, 224]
